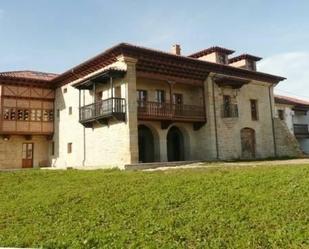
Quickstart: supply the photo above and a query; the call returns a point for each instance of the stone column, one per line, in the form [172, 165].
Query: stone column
[130, 95]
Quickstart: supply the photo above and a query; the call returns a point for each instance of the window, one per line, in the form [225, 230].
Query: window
[58, 113]
[70, 110]
[251, 65]
[281, 114]
[13, 114]
[38, 115]
[33, 115]
[227, 106]
[65, 90]
[141, 95]
[141, 98]
[48, 115]
[70, 148]
[6, 114]
[160, 96]
[254, 109]
[177, 99]
[28, 114]
[20, 114]
[222, 58]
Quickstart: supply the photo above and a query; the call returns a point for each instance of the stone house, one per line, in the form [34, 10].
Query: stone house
[295, 113]
[132, 104]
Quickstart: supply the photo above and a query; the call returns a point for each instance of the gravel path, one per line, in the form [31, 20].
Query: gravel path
[236, 164]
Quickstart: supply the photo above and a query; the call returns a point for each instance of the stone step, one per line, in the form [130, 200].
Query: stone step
[154, 165]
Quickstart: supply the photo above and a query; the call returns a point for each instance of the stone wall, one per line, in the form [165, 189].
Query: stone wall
[11, 151]
[228, 129]
[287, 145]
[109, 145]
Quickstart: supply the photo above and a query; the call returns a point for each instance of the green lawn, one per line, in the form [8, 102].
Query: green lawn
[261, 207]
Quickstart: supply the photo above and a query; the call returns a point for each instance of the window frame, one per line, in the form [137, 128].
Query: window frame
[254, 110]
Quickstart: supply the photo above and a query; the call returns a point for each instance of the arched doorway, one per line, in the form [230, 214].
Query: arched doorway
[247, 143]
[145, 144]
[175, 145]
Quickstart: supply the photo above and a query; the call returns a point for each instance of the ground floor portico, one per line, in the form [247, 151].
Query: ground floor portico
[175, 143]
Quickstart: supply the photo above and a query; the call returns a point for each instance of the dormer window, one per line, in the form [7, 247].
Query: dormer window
[245, 61]
[213, 54]
[251, 65]
[222, 58]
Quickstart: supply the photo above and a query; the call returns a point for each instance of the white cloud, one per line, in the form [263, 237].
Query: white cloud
[295, 67]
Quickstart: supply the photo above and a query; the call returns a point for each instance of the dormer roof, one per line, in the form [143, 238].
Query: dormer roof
[211, 50]
[244, 57]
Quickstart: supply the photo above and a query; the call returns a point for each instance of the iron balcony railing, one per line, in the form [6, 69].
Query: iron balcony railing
[102, 109]
[229, 111]
[167, 111]
[301, 129]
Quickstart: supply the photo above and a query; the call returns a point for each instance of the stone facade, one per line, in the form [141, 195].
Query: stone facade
[116, 143]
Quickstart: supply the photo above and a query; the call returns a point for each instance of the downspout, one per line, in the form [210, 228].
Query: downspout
[272, 121]
[84, 134]
[215, 117]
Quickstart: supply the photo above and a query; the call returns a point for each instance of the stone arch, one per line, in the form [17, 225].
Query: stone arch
[248, 143]
[148, 144]
[177, 143]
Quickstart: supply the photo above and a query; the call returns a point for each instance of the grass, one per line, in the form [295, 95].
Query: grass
[261, 207]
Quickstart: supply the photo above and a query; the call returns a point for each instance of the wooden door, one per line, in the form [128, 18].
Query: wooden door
[27, 155]
[248, 143]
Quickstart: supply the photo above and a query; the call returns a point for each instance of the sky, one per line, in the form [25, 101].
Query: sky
[55, 35]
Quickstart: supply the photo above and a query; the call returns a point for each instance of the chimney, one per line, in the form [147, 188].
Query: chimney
[176, 49]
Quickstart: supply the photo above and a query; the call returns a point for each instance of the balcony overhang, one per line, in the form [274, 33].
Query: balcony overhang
[100, 78]
[234, 82]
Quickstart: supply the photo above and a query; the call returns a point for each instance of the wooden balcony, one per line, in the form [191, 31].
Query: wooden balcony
[301, 130]
[102, 111]
[171, 112]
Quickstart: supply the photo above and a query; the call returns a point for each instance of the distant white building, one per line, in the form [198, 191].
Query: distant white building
[295, 113]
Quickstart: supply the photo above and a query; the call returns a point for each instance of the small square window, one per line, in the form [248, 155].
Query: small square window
[70, 110]
[65, 90]
[70, 148]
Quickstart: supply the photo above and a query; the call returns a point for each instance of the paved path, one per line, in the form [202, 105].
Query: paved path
[237, 164]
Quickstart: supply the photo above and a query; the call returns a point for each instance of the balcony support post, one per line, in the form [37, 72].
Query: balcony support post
[112, 91]
[171, 85]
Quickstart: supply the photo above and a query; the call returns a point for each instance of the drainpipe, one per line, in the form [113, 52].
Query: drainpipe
[215, 117]
[272, 121]
[84, 134]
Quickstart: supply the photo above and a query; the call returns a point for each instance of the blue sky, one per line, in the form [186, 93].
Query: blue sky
[54, 35]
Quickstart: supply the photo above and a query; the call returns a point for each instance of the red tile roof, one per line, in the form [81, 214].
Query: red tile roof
[29, 75]
[290, 101]
[156, 61]
[149, 61]
[244, 56]
[211, 50]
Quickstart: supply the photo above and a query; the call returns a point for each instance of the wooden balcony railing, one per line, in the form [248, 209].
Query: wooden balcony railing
[166, 111]
[103, 109]
[301, 130]
[229, 111]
